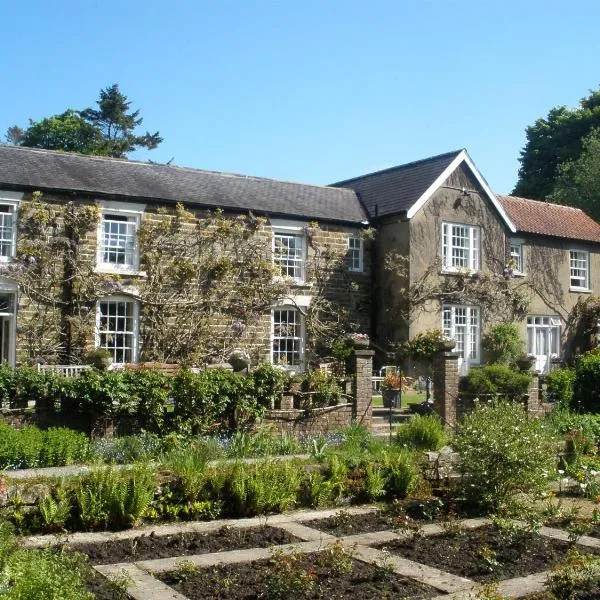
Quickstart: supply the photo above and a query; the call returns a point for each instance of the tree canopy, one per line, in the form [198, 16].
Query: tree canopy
[578, 181]
[109, 130]
[553, 141]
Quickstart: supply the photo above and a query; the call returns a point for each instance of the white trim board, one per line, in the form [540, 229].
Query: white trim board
[462, 156]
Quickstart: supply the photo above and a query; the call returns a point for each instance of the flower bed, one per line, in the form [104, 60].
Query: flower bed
[152, 546]
[485, 554]
[297, 575]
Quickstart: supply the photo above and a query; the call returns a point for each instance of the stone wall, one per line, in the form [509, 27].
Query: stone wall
[349, 293]
[310, 422]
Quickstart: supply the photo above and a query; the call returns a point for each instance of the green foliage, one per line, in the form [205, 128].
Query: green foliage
[324, 389]
[503, 344]
[576, 577]
[55, 510]
[315, 489]
[552, 141]
[188, 464]
[109, 498]
[108, 131]
[503, 450]
[496, 380]
[423, 346]
[288, 576]
[586, 391]
[560, 386]
[263, 487]
[269, 383]
[564, 421]
[578, 181]
[211, 399]
[422, 432]
[30, 447]
[400, 472]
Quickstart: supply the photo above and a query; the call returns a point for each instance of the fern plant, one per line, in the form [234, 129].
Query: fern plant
[55, 509]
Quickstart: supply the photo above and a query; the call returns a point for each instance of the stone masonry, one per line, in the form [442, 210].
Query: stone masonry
[445, 386]
[363, 387]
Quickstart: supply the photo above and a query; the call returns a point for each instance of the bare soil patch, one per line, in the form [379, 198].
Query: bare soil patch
[249, 581]
[147, 547]
[483, 554]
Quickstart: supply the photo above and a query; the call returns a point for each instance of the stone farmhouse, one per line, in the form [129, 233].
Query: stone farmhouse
[426, 245]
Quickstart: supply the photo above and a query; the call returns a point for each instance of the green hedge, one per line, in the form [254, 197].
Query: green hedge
[496, 381]
[215, 399]
[586, 388]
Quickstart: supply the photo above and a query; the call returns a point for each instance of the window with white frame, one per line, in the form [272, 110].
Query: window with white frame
[462, 324]
[516, 257]
[460, 247]
[543, 335]
[288, 338]
[117, 328]
[8, 233]
[579, 263]
[288, 254]
[355, 254]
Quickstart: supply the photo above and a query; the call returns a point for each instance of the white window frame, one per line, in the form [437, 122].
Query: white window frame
[516, 253]
[450, 250]
[133, 213]
[355, 254]
[471, 337]
[290, 229]
[576, 256]
[299, 337]
[135, 327]
[11, 200]
[7, 287]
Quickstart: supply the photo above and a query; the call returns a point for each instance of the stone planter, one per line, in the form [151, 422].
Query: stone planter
[525, 363]
[448, 345]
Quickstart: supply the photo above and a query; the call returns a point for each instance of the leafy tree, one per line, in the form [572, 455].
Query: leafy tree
[108, 131]
[117, 125]
[553, 141]
[578, 181]
[67, 131]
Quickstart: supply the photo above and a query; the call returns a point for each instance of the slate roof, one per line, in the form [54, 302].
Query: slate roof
[556, 220]
[395, 190]
[46, 170]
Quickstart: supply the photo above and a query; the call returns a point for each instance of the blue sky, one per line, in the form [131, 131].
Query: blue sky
[310, 91]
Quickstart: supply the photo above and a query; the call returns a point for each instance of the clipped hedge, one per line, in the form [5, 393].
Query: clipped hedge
[215, 399]
[586, 391]
[496, 381]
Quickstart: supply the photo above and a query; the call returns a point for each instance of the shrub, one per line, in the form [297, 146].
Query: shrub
[400, 472]
[423, 346]
[564, 421]
[268, 384]
[324, 388]
[503, 344]
[576, 577]
[149, 393]
[496, 380]
[109, 498]
[586, 391]
[30, 447]
[213, 399]
[503, 450]
[559, 386]
[422, 432]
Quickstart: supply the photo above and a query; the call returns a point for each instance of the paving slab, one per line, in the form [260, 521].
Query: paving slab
[141, 586]
[445, 582]
[162, 565]
[560, 534]
[305, 533]
[40, 541]
[522, 586]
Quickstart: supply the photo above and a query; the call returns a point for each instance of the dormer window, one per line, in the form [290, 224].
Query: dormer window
[460, 247]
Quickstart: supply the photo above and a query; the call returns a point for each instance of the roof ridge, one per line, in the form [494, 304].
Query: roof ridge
[544, 202]
[126, 161]
[397, 167]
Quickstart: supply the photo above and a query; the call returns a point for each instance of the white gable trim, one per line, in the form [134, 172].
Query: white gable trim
[462, 156]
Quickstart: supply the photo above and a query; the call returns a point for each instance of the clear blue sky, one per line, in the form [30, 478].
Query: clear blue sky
[313, 90]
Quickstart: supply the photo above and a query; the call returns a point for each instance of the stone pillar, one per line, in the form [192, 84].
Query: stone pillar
[445, 386]
[534, 405]
[363, 387]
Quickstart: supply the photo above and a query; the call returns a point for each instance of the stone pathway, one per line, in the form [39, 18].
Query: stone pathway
[143, 586]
